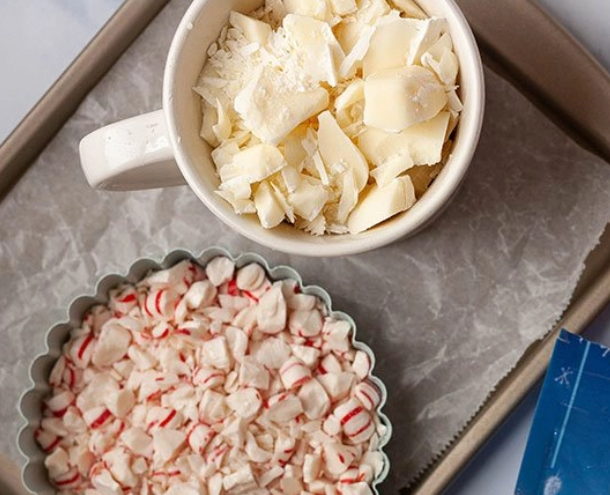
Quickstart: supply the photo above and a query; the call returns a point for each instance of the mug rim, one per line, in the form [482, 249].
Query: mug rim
[412, 221]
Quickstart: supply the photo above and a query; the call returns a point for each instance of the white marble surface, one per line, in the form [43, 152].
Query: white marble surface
[39, 38]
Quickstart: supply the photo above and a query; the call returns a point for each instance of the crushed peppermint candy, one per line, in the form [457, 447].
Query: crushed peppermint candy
[211, 381]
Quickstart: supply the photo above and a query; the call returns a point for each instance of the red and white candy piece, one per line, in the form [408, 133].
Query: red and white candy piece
[81, 350]
[250, 277]
[356, 422]
[329, 364]
[161, 331]
[47, 440]
[336, 335]
[338, 458]
[138, 441]
[58, 463]
[125, 301]
[213, 407]
[160, 303]
[314, 399]
[112, 344]
[68, 480]
[285, 447]
[283, 407]
[305, 323]
[199, 437]
[106, 484]
[97, 417]
[245, 402]
[294, 373]
[368, 395]
[206, 378]
[216, 353]
[57, 373]
[361, 365]
[359, 488]
[271, 311]
[311, 467]
[220, 270]
[166, 445]
[252, 374]
[162, 417]
[59, 403]
[337, 385]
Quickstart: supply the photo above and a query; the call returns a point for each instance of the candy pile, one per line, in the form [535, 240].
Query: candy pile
[332, 115]
[211, 381]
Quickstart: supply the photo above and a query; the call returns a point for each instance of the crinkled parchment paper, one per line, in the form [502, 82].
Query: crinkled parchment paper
[448, 312]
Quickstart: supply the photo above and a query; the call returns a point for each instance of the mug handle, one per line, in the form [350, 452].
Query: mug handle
[129, 155]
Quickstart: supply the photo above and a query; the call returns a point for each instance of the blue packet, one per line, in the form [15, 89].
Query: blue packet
[568, 449]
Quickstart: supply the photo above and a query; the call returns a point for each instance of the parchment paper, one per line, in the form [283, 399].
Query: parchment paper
[448, 312]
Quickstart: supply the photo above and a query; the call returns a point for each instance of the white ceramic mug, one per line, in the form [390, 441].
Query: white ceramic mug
[164, 148]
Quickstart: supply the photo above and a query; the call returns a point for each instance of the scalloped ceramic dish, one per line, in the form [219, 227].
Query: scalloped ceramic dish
[34, 473]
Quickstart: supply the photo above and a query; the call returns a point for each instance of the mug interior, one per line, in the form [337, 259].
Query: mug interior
[201, 26]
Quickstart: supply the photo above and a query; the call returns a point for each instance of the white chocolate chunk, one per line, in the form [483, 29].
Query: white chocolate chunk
[337, 149]
[391, 45]
[382, 203]
[395, 99]
[343, 7]
[309, 198]
[272, 119]
[394, 167]
[310, 8]
[423, 142]
[254, 164]
[427, 35]
[410, 8]
[222, 130]
[351, 95]
[254, 30]
[268, 208]
[315, 46]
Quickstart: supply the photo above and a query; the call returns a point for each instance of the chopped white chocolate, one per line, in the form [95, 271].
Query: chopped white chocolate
[423, 142]
[306, 103]
[337, 149]
[243, 386]
[381, 203]
[395, 99]
[254, 30]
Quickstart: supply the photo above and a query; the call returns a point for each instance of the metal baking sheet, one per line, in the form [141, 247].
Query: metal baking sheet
[54, 109]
